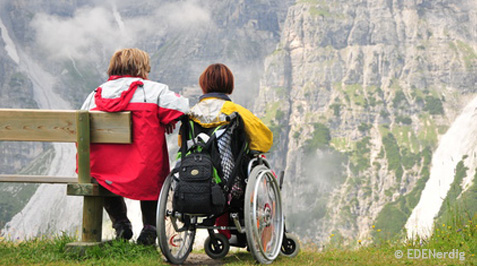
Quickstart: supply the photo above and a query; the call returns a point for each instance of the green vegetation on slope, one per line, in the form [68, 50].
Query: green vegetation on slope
[457, 201]
[320, 139]
[392, 154]
[433, 105]
[455, 188]
[468, 53]
[393, 216]
[275, 119]
[360, 156]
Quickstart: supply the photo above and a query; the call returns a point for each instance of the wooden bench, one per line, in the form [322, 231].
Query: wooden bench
[81, 127]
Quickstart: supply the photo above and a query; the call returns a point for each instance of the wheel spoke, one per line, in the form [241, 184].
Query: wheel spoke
[265, 223]
[267, 232]
[175, 239]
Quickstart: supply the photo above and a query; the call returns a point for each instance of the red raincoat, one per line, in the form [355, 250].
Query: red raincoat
[138, 170]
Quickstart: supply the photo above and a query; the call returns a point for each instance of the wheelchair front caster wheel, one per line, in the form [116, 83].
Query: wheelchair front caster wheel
[218, 247]
[290, 246]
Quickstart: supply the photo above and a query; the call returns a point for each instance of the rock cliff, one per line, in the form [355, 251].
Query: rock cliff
[63, 49]
[358, 94]
[361, 95]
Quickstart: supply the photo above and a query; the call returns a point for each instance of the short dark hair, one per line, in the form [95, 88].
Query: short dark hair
[217, 78]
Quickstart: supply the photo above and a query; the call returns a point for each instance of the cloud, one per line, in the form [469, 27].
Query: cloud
[77, 36]
[103, 28]
[185, 14]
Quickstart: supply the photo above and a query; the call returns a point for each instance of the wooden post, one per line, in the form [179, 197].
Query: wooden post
[92, 206]
[83, 142]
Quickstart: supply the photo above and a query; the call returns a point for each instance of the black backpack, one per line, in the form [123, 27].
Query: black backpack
[200, 188]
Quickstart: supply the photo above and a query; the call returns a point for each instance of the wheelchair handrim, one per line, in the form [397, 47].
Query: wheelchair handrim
[267, 216]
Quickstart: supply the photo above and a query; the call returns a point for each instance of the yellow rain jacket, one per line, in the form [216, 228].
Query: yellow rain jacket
[213, 109]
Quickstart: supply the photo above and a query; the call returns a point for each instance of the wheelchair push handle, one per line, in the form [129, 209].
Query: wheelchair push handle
[280, 179]
[255, 153]
[228, 118]
[183, 118]
[232, 116]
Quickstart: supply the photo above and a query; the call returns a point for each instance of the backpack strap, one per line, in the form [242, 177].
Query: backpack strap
[185, 132]
[236, 122]
[210, 148]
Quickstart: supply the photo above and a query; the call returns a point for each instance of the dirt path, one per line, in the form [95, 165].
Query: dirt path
[201, 259]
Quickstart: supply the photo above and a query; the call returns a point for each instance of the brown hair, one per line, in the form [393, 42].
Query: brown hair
[217, 78]
[129, 62]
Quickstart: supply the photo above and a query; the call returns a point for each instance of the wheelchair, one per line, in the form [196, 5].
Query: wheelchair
[256, 220]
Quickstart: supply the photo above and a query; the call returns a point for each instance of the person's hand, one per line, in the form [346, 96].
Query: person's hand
[170, 128]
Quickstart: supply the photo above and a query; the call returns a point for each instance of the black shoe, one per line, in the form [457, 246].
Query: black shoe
[148, 236]
[123, 230]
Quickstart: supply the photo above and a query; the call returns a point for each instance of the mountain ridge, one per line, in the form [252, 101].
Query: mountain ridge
[358, 94]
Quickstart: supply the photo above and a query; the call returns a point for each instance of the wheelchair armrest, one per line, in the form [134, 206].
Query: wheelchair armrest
[258, 158]
[255, 153]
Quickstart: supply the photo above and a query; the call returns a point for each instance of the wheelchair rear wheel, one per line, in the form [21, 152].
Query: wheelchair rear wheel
[264, 222]
[176, 237]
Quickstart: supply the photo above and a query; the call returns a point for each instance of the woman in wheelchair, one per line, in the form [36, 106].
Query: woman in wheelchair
[213, 109]
[242, 181]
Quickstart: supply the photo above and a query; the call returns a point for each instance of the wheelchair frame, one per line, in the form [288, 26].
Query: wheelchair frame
[262, 221]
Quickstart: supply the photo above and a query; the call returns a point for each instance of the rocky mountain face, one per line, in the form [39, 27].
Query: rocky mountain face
[182, 38]
[239, 33]
[358, 94]
[64, 47]
[16, 90]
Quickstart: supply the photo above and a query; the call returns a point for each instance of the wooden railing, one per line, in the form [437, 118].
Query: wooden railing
[81, 127]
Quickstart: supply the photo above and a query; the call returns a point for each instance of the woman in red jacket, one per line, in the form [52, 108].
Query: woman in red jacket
[136, 171]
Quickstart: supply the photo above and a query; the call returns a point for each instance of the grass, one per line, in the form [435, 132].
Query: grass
[52, 252]
[456, 240]
[44, 251]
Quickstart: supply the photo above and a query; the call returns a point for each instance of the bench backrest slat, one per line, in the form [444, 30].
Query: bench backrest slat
[60, 126]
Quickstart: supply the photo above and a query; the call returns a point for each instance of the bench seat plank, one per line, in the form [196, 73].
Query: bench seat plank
[38, 179]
